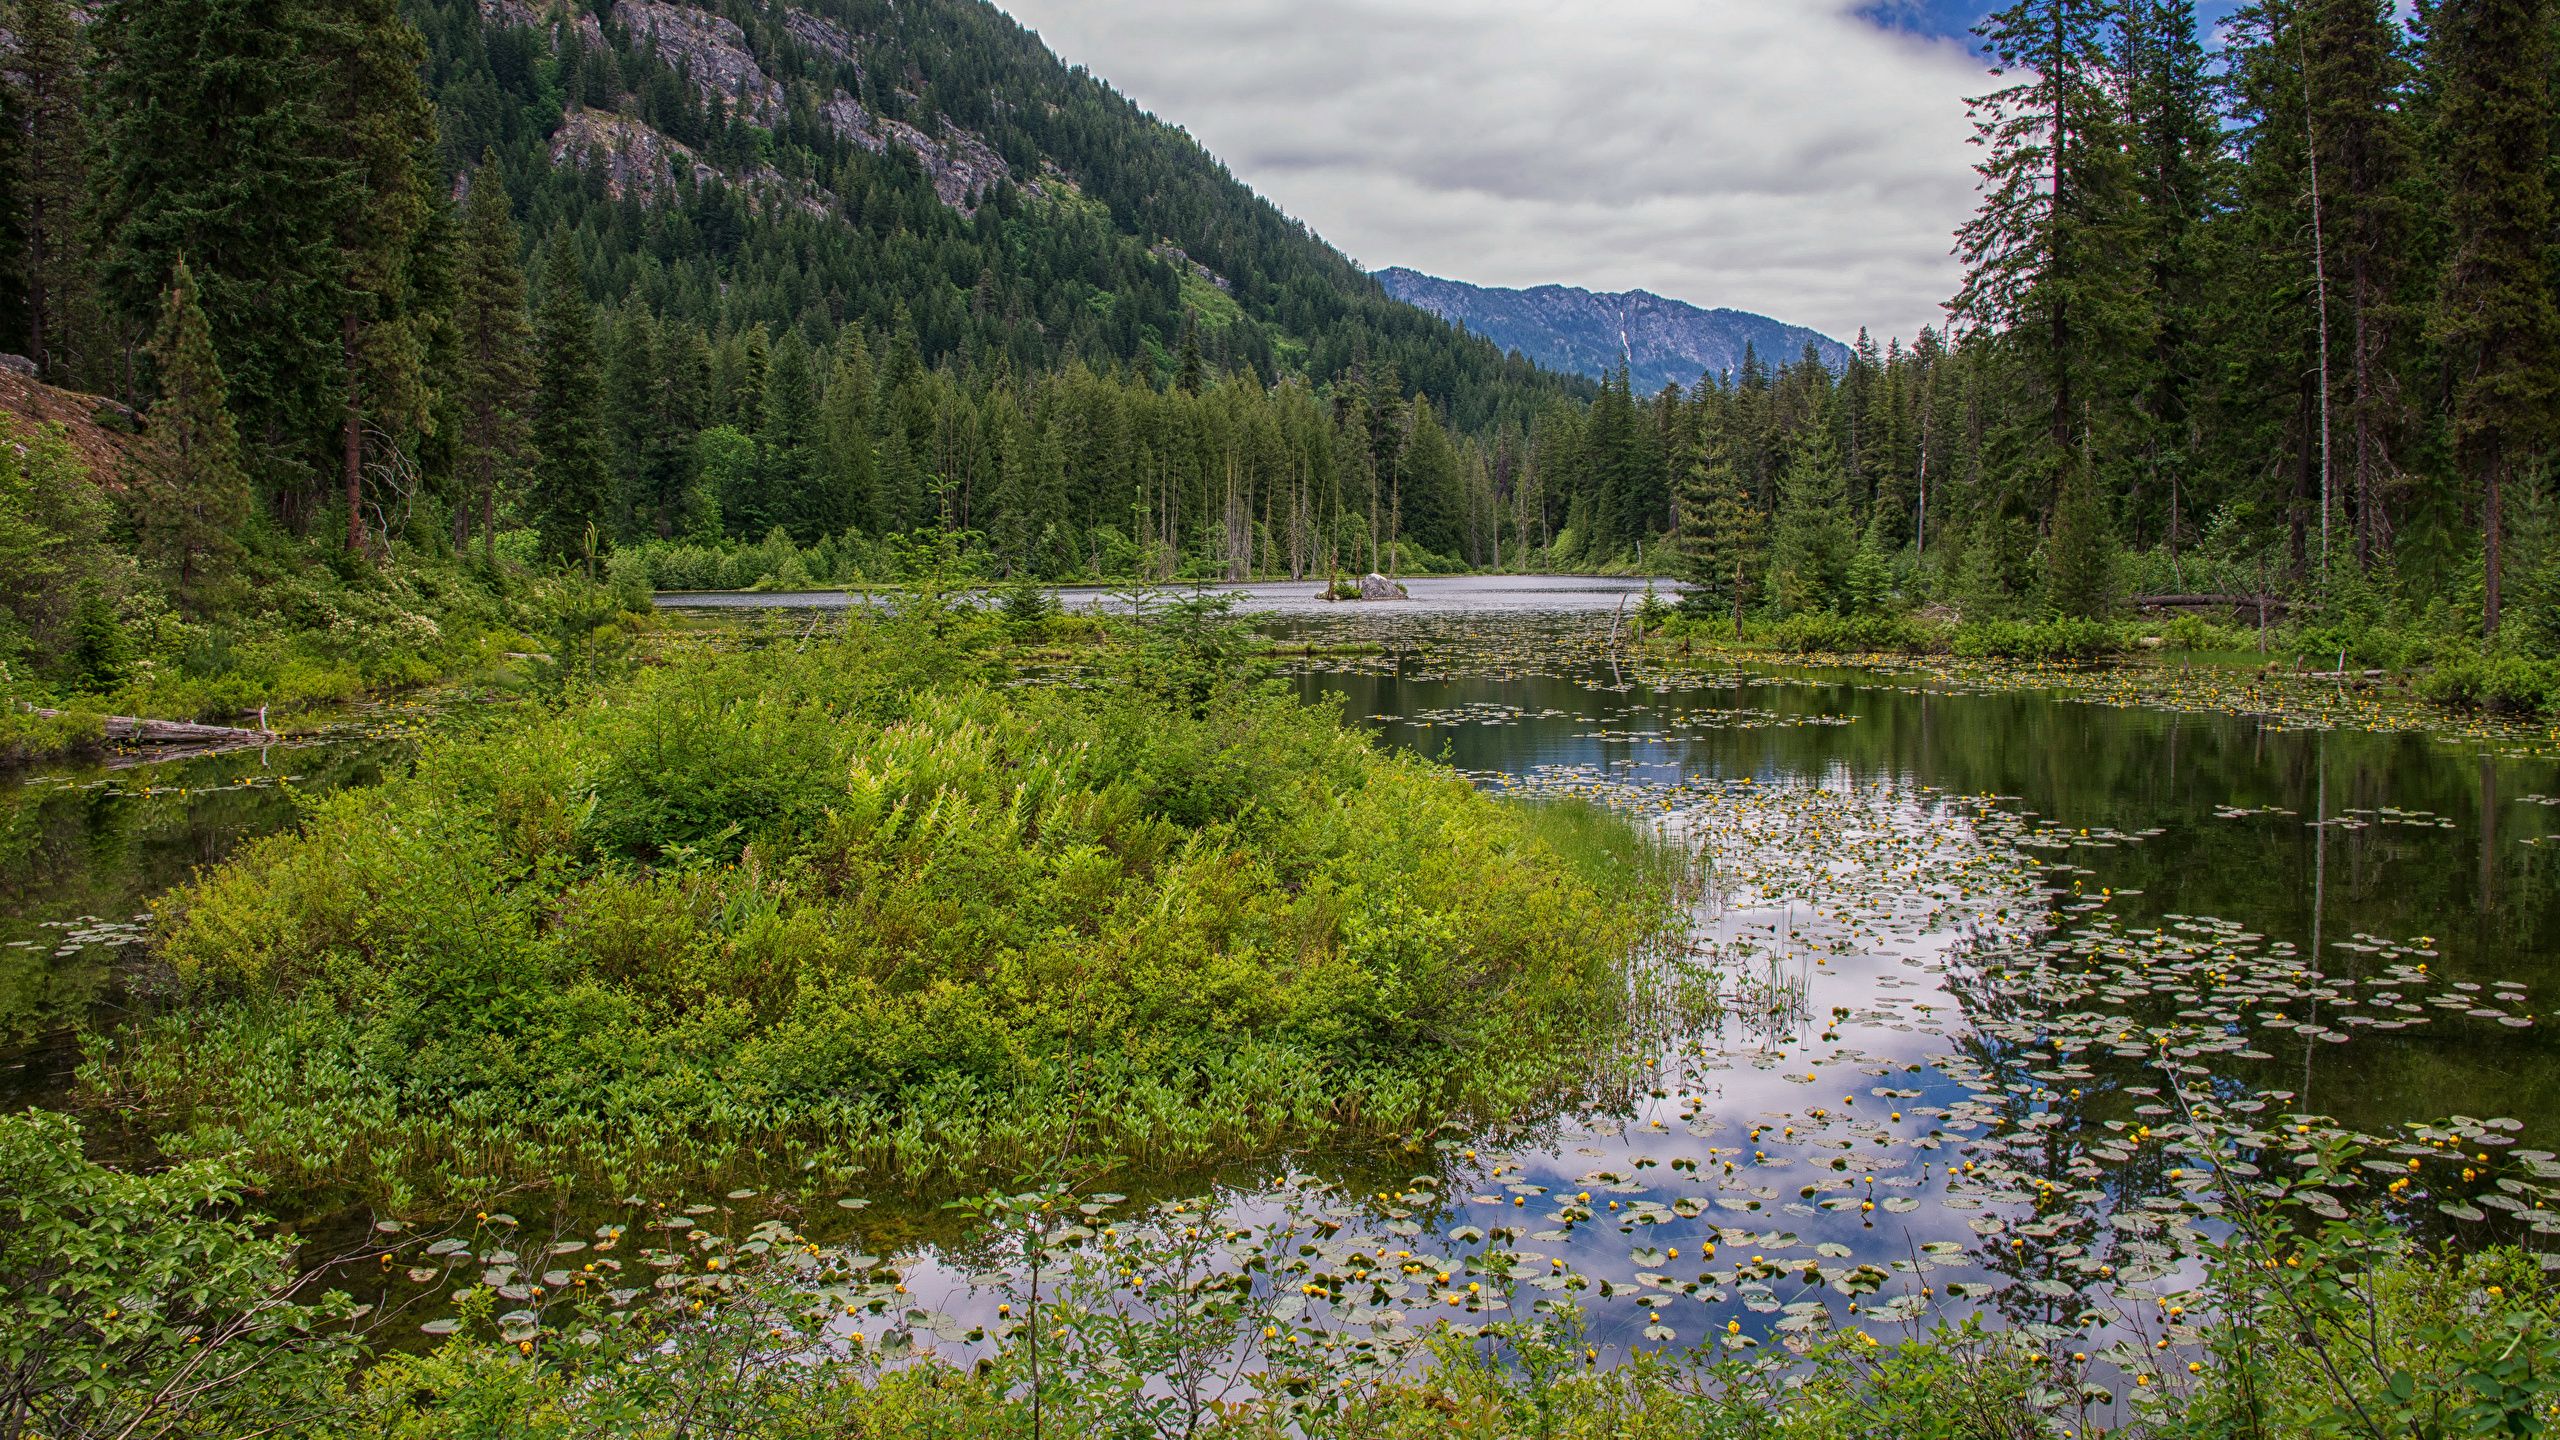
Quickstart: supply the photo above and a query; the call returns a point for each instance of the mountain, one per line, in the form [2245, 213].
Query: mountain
[1665, 342]
[924, 167]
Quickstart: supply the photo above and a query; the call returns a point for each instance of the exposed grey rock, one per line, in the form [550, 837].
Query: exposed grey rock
[710, 48]
[18, 365]
[1374, 586]
[636, 159]
[542, 15]
[962, 167]
[819, 33]
[1180, 259]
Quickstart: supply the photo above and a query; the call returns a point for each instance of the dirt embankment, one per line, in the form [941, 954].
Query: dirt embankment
[32, 402]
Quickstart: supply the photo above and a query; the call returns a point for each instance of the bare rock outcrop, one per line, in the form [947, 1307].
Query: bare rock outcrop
[543, 15]
[710, 48]
[962, 166]
[820, 34]
[636, 159]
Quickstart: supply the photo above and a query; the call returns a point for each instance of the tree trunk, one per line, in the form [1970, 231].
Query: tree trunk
[2492, 523]
[353, 441]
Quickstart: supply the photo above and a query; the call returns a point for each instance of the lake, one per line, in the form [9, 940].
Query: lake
[1993, 960]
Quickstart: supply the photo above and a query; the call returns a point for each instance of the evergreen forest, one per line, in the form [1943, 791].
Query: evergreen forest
[2261, 313]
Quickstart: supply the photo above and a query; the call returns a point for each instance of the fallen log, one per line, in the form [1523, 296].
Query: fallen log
[2210, 602]
[136, 731]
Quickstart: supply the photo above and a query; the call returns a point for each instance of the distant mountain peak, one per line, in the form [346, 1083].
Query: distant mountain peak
[1662, 341]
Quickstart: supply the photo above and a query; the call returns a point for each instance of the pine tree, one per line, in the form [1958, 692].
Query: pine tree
[2047, 257]
[212, 143]
[2079, 558]
[572, 485]
[494, 375]
[380, 129]
[1816, 537]
[1720, 536]
[191, 495]
[14, 267]
[1192, 373]
[2355, 75]
[848, 466]
[2494, 317]
[786, 447]
[49, 181]
[2176, 144]
[635, 385]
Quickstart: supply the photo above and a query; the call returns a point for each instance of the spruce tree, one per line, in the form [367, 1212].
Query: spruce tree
[2048, 255]
[494, 375]
[380, 130]
[787, 447]
[2175, 142]
[2356, 79]
[1720, 536]
[848, 466]
[212, 142]
[2494, 317]
[1815, 538]
[635, 385]
[191, 494]
[572, 484]
[50, 183]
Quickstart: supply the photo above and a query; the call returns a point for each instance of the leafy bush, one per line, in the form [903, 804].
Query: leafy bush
[2057, 639]
[2194, 633]
[142, 1304]
[1824, 633]
[2495, 682]
[852, 891]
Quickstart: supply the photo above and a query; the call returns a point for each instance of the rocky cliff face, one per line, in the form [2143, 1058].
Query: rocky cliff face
[716, 54]
[711, 49]
[1663, 342]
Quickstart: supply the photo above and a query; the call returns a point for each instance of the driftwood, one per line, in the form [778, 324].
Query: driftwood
[136, 731]
[2210, 602]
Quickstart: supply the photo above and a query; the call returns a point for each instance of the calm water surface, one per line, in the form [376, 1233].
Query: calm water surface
[1951, 923]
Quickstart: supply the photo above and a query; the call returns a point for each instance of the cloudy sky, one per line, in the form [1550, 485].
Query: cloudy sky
[1805, 159]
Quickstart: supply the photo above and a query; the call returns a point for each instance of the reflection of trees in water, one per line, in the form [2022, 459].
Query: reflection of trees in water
[105, 846]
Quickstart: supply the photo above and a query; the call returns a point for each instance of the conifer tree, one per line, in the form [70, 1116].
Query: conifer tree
[848, 466]
[191, 495]
[1720, 536]
[2355, 78]
[13, 221]
[49, 182]
[635, 384]
[211, 143]
[2175, 141]
[2493, 316]
[380, 129]
[1815, 538]
[2079, 558]
[494, 376]
[786, 446]
[2046, 255]
[572, 484]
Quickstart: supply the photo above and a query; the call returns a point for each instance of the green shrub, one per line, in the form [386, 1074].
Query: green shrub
[1821, 632]
[2057, 639]
[2494, 682]
[144, 1304]
[851, 891]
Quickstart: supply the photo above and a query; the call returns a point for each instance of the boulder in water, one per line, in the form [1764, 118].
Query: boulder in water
[1375, 586]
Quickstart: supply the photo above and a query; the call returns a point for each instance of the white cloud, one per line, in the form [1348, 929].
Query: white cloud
[1782, 156]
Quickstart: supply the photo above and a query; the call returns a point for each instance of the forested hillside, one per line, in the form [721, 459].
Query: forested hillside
[848, 282]
[650, 271]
